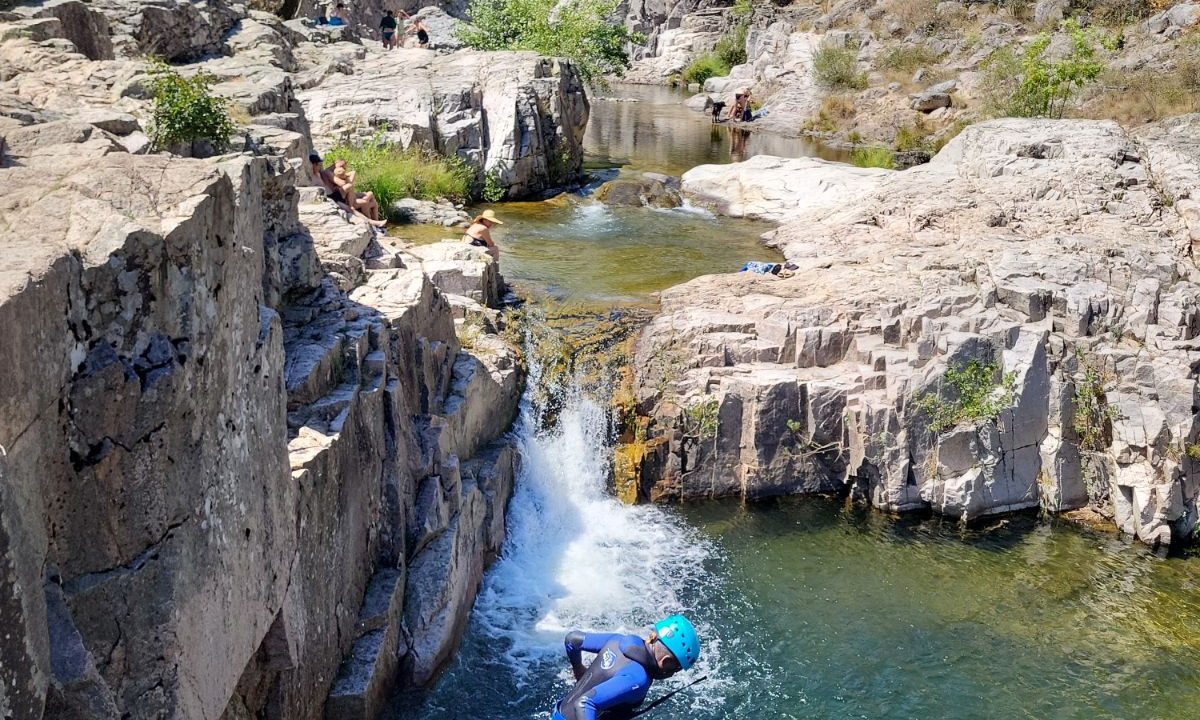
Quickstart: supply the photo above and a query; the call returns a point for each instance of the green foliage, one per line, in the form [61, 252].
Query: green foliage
[1033, 84]
[837, 68]
[704, 67]
[1192, 450]
[917, 136]
[742, 8]
[906, 58]
[586, 32]
[186, 111]
[795, 427]
[976, 396]
[872, 157]
[701, 420]
[1093, 417]
[731, 49]
[493, 188]
[393, 173]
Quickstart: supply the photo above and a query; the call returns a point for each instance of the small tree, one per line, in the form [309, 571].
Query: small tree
[836, 68]
[586, 32]
[186, 111]
[1032, 84]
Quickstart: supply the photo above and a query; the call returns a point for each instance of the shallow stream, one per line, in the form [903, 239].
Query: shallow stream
[808, 609]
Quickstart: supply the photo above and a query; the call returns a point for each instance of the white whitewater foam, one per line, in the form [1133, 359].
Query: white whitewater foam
[576, 557]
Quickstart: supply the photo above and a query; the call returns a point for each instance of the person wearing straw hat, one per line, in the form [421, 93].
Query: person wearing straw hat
[480, 232]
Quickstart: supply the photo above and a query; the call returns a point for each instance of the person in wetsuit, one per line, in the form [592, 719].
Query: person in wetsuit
[624, 666]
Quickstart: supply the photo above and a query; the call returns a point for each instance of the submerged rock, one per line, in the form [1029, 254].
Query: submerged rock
[646, 190]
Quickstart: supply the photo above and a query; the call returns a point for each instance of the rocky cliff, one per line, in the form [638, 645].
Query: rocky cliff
[1013, 325]
[247, 469]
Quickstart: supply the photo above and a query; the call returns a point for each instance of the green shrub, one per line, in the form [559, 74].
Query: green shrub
[1032, 84]
[393, 173]
[705, 67]
[732, 48]
[872, 157]
[914, 137]
[186, 111]
[906, 58]
[702, 419]
[976, 396]
[587, 32]
[493, 189]
[837, 68]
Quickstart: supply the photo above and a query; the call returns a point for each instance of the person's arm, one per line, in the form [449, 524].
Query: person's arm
[578, 643]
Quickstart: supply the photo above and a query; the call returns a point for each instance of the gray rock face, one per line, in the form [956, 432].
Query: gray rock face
[221, 398]
[515, 116]
[1041, 250]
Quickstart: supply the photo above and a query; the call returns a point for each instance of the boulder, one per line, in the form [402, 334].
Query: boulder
[1048, 13]
[771, 188]
[647, 190]
[511, 115]
[428, 212]
[1034, 248]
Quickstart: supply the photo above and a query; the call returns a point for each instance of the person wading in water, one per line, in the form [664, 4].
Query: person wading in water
[624, 667]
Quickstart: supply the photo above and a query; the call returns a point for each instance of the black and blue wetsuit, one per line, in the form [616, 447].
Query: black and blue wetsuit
[617, 680]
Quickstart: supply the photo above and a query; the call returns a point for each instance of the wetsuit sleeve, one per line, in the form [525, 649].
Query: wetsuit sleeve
[626, 689]
[578, 643]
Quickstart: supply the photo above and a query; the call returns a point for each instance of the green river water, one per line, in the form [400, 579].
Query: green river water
[808, 608]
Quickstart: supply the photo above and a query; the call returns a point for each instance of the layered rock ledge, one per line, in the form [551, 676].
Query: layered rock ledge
[1055, 254]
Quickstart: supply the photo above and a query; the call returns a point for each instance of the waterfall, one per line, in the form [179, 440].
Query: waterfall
[575, 557]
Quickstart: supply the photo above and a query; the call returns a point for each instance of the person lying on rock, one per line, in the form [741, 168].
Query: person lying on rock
[479, 233]
[624, 667]
[334, 191]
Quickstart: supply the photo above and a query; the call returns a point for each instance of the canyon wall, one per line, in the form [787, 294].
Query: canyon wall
[1013, 325]
[247, 469]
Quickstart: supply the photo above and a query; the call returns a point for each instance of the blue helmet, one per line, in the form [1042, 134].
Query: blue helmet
[679, 636]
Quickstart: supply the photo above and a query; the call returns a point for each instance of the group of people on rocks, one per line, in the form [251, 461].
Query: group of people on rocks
[339, 183]
[388, 26]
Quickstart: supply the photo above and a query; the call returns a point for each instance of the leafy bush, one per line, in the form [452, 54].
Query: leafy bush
[913, 137]
[1032, 84]
[976, 396]
[872, 157]
[393, 173]
[731, 49]
[702, 419]
[837, 68]
[493, 189]
[906, 58]
[186, 111]
[586, 32]
[705, 67]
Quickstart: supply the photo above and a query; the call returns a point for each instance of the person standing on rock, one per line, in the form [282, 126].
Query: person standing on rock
[387, 30]
[422, 32]
[480, 233]
[624, 667]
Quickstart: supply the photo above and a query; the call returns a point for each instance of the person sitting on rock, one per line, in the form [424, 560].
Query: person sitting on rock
[365, 202]
[421, 31]
[624, 667]
[479, 234]
[335, 192]
[339, 16]
[387, 30]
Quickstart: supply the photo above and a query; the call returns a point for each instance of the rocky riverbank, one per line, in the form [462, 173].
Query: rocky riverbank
[1011, 326]
[247, 466]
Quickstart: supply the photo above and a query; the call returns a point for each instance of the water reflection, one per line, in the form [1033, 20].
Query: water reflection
[644, 127]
